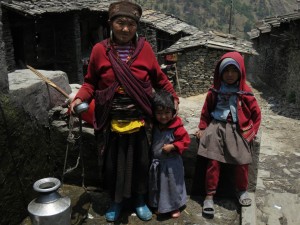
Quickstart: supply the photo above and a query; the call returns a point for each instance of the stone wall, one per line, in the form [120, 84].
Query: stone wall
[3, 70]
[293, 79]
[293, 71]
[277, 64]
[51, 42]
[195, 70]
[30, 148]
[149, 33]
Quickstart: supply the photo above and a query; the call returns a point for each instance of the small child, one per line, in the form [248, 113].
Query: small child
[229, 121]
[167, 190]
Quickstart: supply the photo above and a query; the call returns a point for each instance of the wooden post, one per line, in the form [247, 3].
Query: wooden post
[230, 16]
[177, 79]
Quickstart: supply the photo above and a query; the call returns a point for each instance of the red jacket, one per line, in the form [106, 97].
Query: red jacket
[182, 138]
[100, 74]
[248, 111]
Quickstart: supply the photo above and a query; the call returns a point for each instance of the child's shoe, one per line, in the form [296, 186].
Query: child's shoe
[175, 214]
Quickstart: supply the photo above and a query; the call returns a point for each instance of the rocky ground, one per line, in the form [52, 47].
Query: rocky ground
[278, 183]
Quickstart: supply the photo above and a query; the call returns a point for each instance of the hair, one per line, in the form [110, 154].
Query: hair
[163, 99]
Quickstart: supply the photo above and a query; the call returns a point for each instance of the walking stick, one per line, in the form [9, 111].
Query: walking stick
[177, 79]
[48, 81]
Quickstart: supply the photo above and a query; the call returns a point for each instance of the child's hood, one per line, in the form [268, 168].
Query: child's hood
[240, 60]
[176, 122]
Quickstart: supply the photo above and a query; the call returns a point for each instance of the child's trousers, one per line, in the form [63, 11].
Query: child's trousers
[213, 173]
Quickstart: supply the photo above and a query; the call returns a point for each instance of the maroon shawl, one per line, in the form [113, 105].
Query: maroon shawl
[139, 91]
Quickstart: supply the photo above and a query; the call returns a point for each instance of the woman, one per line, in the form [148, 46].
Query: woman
[121, 75]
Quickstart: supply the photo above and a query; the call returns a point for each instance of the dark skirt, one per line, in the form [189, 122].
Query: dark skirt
[221, 141]
[126, 164]
[167, 191]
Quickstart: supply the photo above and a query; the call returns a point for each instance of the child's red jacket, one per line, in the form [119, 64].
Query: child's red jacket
[248, 111]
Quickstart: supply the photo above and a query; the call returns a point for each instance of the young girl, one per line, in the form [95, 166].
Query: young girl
[167, 190]
[229, 121]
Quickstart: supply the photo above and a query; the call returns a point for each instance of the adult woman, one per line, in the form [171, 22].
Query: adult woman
[121, 75]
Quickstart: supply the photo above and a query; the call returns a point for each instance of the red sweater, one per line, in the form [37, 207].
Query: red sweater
[182, 138]
[100, 74]
[248, 111]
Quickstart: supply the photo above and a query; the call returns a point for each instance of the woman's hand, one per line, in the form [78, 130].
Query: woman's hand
[77, 101]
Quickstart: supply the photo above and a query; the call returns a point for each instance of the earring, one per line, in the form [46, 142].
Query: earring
[111, 35]
[136, 36]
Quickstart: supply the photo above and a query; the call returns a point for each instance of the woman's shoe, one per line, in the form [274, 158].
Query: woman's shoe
[142, 210]
[114, 211]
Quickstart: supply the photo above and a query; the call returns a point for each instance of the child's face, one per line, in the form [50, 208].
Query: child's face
[230, 74]
[163, 115]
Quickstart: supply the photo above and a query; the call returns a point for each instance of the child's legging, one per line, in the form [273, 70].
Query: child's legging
[213, 173]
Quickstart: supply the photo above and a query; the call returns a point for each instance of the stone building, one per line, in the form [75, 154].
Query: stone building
[196, 57]
[59, 35]
[277, 40]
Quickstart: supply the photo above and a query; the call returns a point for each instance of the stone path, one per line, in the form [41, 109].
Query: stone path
[278, 184]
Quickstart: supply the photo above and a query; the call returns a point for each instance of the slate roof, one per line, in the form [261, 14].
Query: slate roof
[266, 25]
[167, 23]
[39, 7]
[158, 20]
[212, 39]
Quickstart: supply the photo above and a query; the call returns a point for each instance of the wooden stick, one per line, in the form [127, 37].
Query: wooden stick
[177, 79]
[48, 81]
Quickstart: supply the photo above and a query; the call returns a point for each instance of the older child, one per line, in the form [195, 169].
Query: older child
[167, 190]
[229, 121]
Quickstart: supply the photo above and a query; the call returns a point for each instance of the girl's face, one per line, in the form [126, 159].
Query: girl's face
[230, 74]
[124, 29]
[163, 115]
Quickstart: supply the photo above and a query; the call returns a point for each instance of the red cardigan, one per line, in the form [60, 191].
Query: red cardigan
[248, 111]
[100, 74]
[182, 138]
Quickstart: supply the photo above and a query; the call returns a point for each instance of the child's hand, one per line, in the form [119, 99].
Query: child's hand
[199, 133]
[168, 148]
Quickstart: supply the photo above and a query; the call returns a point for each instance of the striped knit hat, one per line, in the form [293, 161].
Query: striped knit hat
[226, 62]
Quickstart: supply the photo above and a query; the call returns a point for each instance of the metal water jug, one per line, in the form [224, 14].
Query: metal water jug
[49, 208]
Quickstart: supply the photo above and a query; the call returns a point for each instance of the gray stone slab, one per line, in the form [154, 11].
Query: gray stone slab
[34, 95]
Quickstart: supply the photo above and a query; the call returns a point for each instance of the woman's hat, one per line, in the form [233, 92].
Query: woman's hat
[226, 62]
[125, 8]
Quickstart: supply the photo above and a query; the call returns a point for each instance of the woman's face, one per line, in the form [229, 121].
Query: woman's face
[124, 29]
